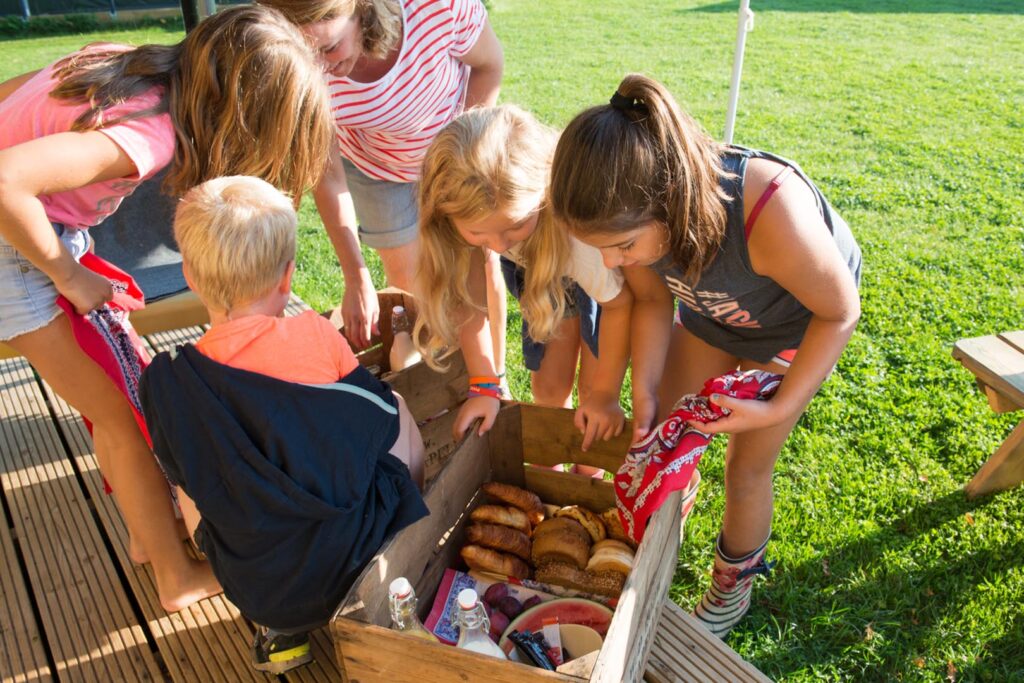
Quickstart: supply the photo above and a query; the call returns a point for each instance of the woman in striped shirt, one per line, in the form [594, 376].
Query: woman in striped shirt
[398, 71]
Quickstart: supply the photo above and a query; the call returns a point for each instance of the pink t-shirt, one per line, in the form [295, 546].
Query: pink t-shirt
[29, 113]
[385, 127]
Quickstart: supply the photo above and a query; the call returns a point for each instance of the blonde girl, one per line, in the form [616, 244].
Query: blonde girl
[766, 273]
[241, 94]
[483, 189]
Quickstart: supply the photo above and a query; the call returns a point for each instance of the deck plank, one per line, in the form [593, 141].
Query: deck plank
[22, 656]
[87, 619]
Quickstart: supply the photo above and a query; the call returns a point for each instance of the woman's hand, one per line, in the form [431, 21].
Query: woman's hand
[85, 289]
[360, 311]
[477, 407]
[745, 415]
[599, 415]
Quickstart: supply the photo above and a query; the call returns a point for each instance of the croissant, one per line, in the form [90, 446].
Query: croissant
[502, 538]
[525, 500]
[505, 516]
[486, 560]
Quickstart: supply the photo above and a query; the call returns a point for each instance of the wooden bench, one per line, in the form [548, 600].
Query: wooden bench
[997, 362]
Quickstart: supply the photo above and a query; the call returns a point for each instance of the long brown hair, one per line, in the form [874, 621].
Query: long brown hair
[642, 160]
[379, 20]
[486, 159]
[243, 92]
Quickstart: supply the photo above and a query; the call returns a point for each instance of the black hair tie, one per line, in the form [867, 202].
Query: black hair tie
[623, 103]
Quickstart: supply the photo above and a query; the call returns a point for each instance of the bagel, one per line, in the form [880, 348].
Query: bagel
[591, 522]
[613, 525]
[611, 559]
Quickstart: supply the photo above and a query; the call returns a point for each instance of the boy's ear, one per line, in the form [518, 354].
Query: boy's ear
[285, 286]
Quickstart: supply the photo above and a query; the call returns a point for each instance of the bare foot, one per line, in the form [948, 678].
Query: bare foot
[178, 592]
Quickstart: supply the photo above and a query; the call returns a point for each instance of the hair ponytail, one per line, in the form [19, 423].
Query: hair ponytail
[642, 159]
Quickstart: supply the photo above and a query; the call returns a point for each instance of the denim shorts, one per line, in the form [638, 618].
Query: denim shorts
[388, 212]
[27, 296]
[577, 303]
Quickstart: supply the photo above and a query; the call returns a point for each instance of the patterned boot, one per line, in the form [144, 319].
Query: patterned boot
[728, 599]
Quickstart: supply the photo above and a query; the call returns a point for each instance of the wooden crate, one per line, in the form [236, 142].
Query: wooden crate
[370, 651]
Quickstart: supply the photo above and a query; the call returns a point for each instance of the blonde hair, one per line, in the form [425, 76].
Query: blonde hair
[619, 167]
[236, 235]
[379, 20]
[243, 92]
[486, 159]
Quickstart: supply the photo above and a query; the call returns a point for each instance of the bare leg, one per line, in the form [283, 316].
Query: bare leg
[400, 264]
[690, 363]
[408, 446]
[588, 368]
[125, 460]
[552, 382]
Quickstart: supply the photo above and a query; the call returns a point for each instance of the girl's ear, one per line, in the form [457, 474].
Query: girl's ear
[285, 285]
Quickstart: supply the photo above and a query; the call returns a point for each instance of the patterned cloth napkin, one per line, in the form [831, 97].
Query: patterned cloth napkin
[664, 460]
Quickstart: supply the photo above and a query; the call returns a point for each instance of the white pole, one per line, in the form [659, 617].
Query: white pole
[745, 24]
[211, 7]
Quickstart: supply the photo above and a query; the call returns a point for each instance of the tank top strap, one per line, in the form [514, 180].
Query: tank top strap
[773, 186]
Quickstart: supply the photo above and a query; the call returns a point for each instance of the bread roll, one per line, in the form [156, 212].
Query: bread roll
[525, 500]
[564, 544]
[565, 574]
[591, 522]
[503, 538]
[611, 559]
[613, 525]
[561, 524]
[611, 543]
[487, 560]
[505, 516]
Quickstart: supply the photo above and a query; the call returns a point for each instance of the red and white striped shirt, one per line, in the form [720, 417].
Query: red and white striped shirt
[385, 127]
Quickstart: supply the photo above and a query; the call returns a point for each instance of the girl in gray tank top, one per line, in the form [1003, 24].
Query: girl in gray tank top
[766, 275]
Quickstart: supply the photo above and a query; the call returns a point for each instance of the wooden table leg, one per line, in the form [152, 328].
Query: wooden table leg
[1005, 469]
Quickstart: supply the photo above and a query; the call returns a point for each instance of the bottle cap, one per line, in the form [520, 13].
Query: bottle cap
[398, 309]
[400, 587]
[468, 598]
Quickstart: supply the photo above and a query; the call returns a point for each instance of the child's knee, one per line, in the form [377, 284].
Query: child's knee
[551, 389]
[408, 447]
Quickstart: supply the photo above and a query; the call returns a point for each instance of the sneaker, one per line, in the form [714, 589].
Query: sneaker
[277, 653]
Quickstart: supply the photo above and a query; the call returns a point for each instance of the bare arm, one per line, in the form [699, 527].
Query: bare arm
[650, 333]
[47, 165]
[486, 61]
[360, 309]
[600, 414]
[477, 349]
[497, 306]
[791, 245]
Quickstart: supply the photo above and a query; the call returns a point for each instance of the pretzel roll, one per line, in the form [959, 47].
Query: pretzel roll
[591, 522]
[564, 545]
[613, 525]
[487, 560]
[505, 516]
[525, 500]
[561, 524]
[503, 538]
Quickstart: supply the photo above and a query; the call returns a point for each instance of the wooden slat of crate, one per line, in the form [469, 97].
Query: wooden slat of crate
[684, 650]
[22, 657]
[88, 623]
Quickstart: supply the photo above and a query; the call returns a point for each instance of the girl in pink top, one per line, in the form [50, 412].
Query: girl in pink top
[240, 95]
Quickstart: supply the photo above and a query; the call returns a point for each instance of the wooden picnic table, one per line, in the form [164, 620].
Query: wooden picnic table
[997, 362]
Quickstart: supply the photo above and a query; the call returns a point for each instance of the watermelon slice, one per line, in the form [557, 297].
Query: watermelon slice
[566, 611]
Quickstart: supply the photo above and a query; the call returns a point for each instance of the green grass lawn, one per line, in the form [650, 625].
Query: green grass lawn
[909, 116]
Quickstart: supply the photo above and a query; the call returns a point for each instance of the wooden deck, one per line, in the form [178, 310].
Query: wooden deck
[73, 606]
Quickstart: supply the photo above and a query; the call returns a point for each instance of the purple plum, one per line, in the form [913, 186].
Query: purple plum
[495, 593]
[499, 622]
[510, 606]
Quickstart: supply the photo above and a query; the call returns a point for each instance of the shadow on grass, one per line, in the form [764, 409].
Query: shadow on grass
[905, 608]
[870, 6]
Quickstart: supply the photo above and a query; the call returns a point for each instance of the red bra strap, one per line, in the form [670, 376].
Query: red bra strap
[768, 192]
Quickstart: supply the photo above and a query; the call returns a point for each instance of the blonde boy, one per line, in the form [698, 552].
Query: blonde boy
[293, 463]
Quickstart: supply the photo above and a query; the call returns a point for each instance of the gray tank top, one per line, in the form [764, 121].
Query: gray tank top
[733, 308]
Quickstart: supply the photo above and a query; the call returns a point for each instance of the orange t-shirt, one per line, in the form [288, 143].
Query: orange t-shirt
[304, 348]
